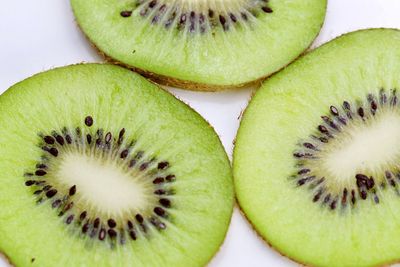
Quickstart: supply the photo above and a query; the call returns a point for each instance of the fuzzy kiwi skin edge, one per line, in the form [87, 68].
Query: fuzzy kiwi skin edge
[190, 85]
[172, 82]
[388, 264]
[7, 259]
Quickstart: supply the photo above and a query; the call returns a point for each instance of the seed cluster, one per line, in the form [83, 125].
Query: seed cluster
[115, 230]
[364, 186]
[172, 16]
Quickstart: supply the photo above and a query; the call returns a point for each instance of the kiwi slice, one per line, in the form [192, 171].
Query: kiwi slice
[201, 45]
[316, 162]
[102, 168]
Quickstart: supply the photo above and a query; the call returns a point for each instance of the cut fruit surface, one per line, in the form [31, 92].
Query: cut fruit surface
[202, 45]
[316, 161]
[102, 168]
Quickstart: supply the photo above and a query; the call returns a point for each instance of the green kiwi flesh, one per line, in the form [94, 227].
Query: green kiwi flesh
[201, 45]
[316, 163]
[102, 168]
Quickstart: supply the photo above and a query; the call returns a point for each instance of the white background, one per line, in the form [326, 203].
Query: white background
[41, 34]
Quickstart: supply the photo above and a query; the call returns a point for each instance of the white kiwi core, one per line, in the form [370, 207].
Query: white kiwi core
[103, 184]
[368, 146]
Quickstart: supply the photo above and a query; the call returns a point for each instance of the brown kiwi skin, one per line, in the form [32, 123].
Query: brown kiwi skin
[173, 82]
[190, 85]
[241, 115]
[5, 257]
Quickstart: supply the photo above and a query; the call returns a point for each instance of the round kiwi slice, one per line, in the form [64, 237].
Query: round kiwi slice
[201, 45]
[102, 168]
[316, 162]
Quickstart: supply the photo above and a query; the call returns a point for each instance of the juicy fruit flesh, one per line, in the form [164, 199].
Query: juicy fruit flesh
[238, 50]
[186, 234]
[286, 115]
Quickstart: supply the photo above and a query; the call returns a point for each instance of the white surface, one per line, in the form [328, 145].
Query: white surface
[41, 34]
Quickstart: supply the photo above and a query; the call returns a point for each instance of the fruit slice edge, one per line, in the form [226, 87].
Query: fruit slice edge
[218, 59]
[287, 109]
[167, 128]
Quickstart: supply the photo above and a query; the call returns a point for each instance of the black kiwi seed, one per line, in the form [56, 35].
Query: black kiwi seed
[89, 139]
[139, 218]
[40, 173]
[108, 137]
[233, 17]
[132, 235]
[303, 171]
[102, 234]
[85, 227]
[158, 180]
[72, 190]
[323, 129]
[89, 121]
[144, 166]
[333, 204]
[353, 197]
[41, 166]
[96, 223]
[153, 3]
[266, 9]
[111, 223]
[112, 233]
[160, 192]
[317, 196]
[360, 112]
[130, 225]
[309, 145]
[159, 211]
[49, 140]
[37, 192]
[68, 206]
[29, 183]
[82, 216]
[157, 223]
[132, 163]
[46, 188]
[51, 193]
[56, 203]
[334, 110]
[70, 219]
[124, 153]
[68, 138]
[327, 198]
[344, 196]
[126, 14]
[163, 165]
[53, 151]
[121, 136]
[78, 131]
[192, 21]
[60, 139]
[222, 20]
[165, 202]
